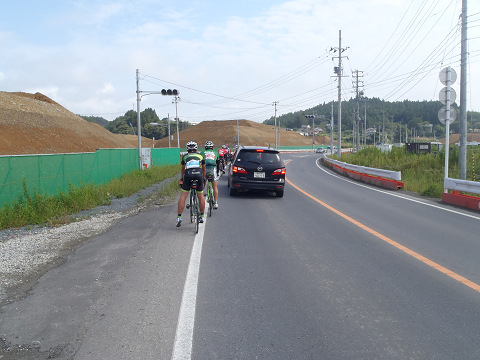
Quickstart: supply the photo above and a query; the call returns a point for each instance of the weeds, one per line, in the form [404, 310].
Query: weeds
[39, 209]
[421, 173]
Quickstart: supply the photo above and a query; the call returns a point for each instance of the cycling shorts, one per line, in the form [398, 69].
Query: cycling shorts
[193, 174]
[212, 170]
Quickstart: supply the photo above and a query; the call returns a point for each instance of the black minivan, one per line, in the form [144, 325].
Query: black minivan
[257, 168]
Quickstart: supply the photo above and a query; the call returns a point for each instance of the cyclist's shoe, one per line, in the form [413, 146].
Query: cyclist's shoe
[201, 220]
[215, 206]
[179, 222]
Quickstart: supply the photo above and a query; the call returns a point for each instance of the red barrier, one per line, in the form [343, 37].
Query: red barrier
[455, 198]
[369, 179]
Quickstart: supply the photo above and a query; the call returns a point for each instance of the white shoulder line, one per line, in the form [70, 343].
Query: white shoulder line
[396, 195]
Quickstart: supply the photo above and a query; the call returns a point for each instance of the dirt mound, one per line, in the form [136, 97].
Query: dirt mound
[35, 124]
[250, 133]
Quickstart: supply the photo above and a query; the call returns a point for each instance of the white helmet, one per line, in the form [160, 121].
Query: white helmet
[192, 146]
[209, 145]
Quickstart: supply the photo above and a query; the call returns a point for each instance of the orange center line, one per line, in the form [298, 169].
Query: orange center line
[410, 252]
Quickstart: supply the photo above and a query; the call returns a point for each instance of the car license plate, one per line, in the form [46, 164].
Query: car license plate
[259, 175]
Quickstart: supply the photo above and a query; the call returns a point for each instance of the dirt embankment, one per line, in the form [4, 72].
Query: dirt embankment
[250, 133]
[35, 124]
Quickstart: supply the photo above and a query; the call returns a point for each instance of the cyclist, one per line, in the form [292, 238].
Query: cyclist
[211, 163]
[222, 152]
[193, 168]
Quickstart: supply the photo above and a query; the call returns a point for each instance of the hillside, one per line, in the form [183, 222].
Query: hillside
[251, 133]
[35, 124]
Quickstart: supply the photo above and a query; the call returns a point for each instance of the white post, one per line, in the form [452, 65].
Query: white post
[169, 145]
[139, 125]
[447, 124]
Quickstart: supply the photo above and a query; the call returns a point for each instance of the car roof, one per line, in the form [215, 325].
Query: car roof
[250, 147]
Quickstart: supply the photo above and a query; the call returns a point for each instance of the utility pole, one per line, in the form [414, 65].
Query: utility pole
[169, 144]
[462, 155]
[331, 131]
[275, 104]
[139, 125]
[339, 70]
[383, 129]
[176, 100]
[357, 74]
[365, 123]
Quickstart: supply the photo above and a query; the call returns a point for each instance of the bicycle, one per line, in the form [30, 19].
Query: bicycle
[194, 206]
[221, 167]
[210, 194]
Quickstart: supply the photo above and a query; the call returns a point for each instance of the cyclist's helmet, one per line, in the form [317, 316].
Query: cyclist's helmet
[224, 146]
[209, 145]
[192, 146]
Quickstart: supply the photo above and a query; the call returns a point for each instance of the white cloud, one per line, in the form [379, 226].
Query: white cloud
[93, 68]
[107, 89]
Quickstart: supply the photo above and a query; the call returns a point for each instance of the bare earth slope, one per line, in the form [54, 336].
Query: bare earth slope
[35, 124]
[251, 133]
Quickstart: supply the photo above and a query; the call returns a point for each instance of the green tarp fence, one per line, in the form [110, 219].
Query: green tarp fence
[49, 174]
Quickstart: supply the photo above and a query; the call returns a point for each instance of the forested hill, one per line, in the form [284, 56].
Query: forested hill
[415, 114]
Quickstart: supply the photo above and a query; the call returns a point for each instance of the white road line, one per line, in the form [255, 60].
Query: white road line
[396, 195]
[182, 349]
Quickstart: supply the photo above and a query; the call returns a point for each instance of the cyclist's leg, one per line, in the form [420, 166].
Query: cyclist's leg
[183, 197]
[201, 201]
[181, 201]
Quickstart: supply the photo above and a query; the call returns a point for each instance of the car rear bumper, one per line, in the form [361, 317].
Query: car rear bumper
[258, 185]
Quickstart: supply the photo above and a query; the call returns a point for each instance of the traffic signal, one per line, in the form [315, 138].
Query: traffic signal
[309, 116]
[170, 92]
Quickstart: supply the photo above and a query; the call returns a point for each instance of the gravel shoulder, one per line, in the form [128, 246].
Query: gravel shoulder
[29, 252]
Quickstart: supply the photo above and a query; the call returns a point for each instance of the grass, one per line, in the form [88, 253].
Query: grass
[34, 208]
[421, 173]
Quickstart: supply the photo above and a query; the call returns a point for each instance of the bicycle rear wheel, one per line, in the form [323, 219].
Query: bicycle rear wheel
[192, 203]
[210, 198]
[196, 214]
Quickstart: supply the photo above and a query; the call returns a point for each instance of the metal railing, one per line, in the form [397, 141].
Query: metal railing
[388, 174]
[462, 185]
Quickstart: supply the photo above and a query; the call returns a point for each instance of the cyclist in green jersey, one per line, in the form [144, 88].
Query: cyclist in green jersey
[193, 168]
[211, 164]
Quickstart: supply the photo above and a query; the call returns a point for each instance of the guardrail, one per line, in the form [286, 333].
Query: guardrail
[455, 198]
[394, 175]
[462, 185]
[378, 177]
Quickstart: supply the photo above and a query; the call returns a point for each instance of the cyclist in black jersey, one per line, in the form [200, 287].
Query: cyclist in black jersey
[193, 168]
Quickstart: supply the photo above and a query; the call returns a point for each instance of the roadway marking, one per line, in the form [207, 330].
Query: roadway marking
[182, 348]
[396, 195]
[410, 252]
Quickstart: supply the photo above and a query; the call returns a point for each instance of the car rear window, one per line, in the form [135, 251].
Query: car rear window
[259, 157]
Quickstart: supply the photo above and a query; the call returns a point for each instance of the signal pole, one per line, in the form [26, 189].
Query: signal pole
[339, 70]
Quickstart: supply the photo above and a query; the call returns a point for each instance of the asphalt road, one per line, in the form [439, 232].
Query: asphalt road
[333, 270]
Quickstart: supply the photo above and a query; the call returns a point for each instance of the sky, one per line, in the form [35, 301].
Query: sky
[233, 59]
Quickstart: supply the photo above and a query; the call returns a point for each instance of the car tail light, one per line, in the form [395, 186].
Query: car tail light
[259, 150]
[239, 170]
[280, 171]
